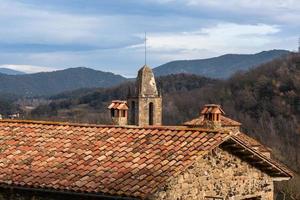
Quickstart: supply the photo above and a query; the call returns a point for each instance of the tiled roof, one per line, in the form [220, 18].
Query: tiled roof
[225, 121]
[251, 142]
[121, 161]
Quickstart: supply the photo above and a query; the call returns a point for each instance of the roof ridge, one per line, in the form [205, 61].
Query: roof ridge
[58, 123]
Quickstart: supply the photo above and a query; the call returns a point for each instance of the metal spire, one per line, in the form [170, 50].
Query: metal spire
[299, 45]
[145, 48]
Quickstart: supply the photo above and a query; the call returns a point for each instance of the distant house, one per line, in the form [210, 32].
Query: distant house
[137, 157]
[14, 116]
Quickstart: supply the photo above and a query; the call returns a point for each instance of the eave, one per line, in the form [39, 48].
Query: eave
[257, 159]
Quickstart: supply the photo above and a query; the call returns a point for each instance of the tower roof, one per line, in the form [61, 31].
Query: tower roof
[145, 83]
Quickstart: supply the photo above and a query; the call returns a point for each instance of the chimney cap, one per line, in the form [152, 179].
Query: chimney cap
[118, 104]
[212, 108]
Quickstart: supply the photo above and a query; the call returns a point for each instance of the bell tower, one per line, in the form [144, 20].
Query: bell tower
[145, 106]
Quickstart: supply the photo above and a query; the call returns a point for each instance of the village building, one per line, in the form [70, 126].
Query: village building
[207, 158]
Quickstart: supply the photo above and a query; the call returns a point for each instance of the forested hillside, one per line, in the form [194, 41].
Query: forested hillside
[265, 99]
[89, 105]
[8, 105]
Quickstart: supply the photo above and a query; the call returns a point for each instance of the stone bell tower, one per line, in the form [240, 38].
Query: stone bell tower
[145, 106]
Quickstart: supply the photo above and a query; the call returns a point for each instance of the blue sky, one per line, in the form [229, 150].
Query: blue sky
[39, 35]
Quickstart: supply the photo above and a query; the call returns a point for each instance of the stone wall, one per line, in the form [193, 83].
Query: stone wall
[120, 121]
[218, 174]
[140, 112]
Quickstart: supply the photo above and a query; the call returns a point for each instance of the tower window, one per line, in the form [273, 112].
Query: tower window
[151, 110]
[112, 112]
[123, 113]
[132, 113]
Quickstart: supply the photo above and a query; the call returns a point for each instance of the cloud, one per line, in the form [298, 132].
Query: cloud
[247, 4]
[276, 11]
[209, 41]
[29, 26]
[28, 68]
[109, 35]
[44, 26]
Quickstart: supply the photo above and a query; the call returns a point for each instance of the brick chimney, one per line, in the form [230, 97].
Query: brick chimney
[212, 115]
[118, 112]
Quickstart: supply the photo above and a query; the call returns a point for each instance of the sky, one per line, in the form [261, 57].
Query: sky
[108, 35]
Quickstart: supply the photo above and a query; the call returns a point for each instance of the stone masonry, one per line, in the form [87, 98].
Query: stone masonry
[121, 121]
[143, 117]
[218, 175]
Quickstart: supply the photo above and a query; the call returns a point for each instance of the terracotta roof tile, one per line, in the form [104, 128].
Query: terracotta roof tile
[212, 108]
[127, 161]
[252, 142]
[119, 105]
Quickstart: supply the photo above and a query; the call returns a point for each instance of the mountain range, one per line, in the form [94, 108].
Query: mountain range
[8, 71]
[218, 67]
[49, 83]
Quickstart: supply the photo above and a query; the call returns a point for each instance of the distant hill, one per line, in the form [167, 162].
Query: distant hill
[7, 71]
[219, 67]
[50, 83]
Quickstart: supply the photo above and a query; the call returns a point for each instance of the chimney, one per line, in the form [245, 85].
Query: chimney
[118, 112]
[212, 115]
